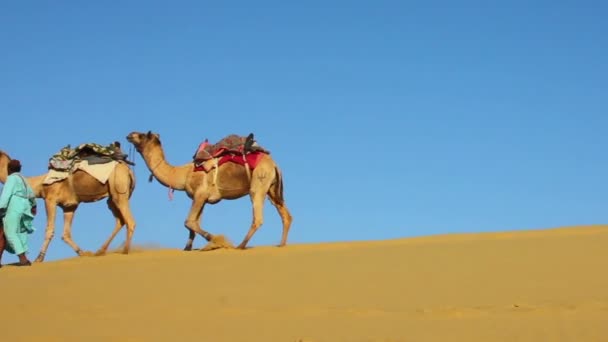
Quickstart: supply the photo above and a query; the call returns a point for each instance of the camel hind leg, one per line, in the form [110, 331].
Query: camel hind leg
[257, 201]
[276, 198]
[261, 180]
[120, 222]
[122, 205]
[121, 185]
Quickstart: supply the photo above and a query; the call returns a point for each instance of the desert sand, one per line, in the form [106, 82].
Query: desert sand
[538, 285]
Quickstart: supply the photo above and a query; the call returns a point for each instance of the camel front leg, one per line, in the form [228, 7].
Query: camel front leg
[51, 209]
[68, 217]
[191, 236]
[193, 221]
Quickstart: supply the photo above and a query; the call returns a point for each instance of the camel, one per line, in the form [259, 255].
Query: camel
[231, 182]
[80, 187]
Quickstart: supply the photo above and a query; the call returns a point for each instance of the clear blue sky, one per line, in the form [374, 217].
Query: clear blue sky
[388, 118]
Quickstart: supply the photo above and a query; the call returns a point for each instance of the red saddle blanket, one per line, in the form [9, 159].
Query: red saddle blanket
[229, 149]
[230, 144]
[253, 159]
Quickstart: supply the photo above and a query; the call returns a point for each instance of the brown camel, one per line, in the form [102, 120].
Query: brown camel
[232, 182]
[80, 187]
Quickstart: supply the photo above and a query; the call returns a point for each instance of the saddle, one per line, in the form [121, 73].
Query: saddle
[230, 145]
[233, 148]
[93, 153]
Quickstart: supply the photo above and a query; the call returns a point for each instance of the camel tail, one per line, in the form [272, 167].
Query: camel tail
[278, 186]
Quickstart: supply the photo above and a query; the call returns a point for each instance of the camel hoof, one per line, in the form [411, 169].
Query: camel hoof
[100, 252]
[86, 254]
[188, 248]
[125, 251]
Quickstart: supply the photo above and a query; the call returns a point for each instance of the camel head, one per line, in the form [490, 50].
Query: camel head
[143, 140]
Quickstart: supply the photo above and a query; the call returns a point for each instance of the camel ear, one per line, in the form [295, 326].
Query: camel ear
[149, 134]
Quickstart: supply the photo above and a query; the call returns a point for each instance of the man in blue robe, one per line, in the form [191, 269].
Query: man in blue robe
[17, 210]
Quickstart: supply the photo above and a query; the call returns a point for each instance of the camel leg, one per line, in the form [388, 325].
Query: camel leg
[51, 210]
[257, 200]
[191, 237]
[193, 220]
[130, 222]
[122, 205]
[275, 194]
[285, 217]
[119, 223]
[120, 188]
[68, 218]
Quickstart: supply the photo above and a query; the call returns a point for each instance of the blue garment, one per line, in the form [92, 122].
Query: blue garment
[18, 199]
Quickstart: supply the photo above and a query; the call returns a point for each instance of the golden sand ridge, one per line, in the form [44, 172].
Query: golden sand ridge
[537, 285]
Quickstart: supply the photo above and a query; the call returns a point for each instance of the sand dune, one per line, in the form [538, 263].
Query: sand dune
[546, 285]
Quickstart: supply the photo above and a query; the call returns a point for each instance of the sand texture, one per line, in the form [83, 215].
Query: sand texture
[543, 285]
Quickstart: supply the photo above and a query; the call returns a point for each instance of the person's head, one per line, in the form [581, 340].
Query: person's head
[13, 166]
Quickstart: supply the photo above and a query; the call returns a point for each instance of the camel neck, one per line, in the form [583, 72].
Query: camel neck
[167, 174]
[35, 182]
[3, 174]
